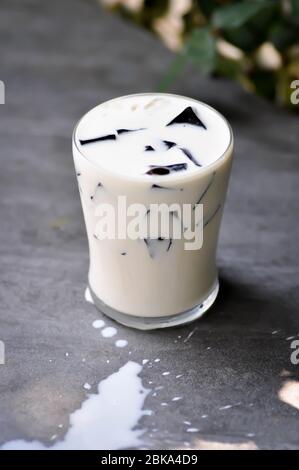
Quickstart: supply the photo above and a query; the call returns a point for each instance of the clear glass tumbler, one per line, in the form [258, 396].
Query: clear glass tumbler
[151, 283]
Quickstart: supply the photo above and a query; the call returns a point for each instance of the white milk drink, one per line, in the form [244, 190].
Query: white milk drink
[151, 149]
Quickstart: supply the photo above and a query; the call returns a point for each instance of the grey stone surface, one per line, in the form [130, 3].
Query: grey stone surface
[58, 59]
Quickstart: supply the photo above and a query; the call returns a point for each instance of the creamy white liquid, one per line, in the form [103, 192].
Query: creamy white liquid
[87, 296]
[108, 332]
[152, 278]
[141, 122]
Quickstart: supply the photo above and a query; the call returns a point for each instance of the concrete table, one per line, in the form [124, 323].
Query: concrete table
[232, 369]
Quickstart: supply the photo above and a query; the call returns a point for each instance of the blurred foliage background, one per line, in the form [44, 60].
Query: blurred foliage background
[255, 42]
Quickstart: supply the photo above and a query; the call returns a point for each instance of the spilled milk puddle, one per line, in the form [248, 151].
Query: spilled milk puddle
[106, 420]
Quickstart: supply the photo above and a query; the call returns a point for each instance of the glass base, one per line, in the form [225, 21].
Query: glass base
[152, 323]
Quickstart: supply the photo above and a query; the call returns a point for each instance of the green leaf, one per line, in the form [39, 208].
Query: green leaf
[172, 73]
[207, 6]
[282, 34]
[237, 14]
[201, 49]
[243, 37]
[228, 68]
